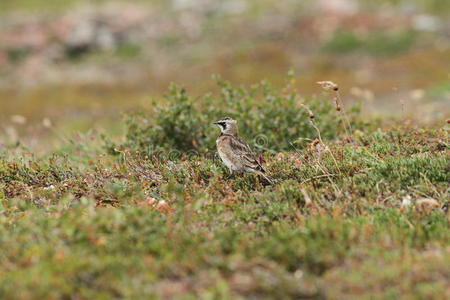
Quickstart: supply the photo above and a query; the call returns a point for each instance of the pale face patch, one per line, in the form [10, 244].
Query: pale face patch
[225, 124]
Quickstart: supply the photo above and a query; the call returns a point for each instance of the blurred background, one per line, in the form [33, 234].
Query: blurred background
[77, 65]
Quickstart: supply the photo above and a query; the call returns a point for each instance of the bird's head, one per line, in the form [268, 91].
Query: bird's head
[227, 125]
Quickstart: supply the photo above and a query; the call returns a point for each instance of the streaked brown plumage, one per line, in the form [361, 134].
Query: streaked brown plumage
[235, 153]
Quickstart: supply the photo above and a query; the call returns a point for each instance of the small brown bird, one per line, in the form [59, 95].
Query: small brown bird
[235, 153]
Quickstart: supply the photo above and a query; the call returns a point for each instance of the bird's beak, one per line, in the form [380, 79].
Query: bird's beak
[216, 123]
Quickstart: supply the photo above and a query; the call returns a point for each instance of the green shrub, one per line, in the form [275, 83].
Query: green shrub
[268, 118]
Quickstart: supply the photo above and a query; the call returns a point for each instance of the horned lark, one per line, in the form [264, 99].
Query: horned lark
[235, 153]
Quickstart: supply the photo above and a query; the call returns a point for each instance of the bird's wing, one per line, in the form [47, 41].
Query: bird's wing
[243, 150]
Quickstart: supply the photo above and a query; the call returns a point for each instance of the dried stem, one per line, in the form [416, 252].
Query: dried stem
[344, 117]
[319, 136]
[332, 87]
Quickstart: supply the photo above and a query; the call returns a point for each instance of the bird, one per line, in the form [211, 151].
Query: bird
[235, 153]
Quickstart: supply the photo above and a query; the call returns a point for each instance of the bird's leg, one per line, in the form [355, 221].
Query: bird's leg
[267, 180]
[231, 175]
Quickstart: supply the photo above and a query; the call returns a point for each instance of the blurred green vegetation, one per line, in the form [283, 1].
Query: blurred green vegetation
[440, 90]
[80, 252]
[41, 5]
[433, 6]
[377, 43]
